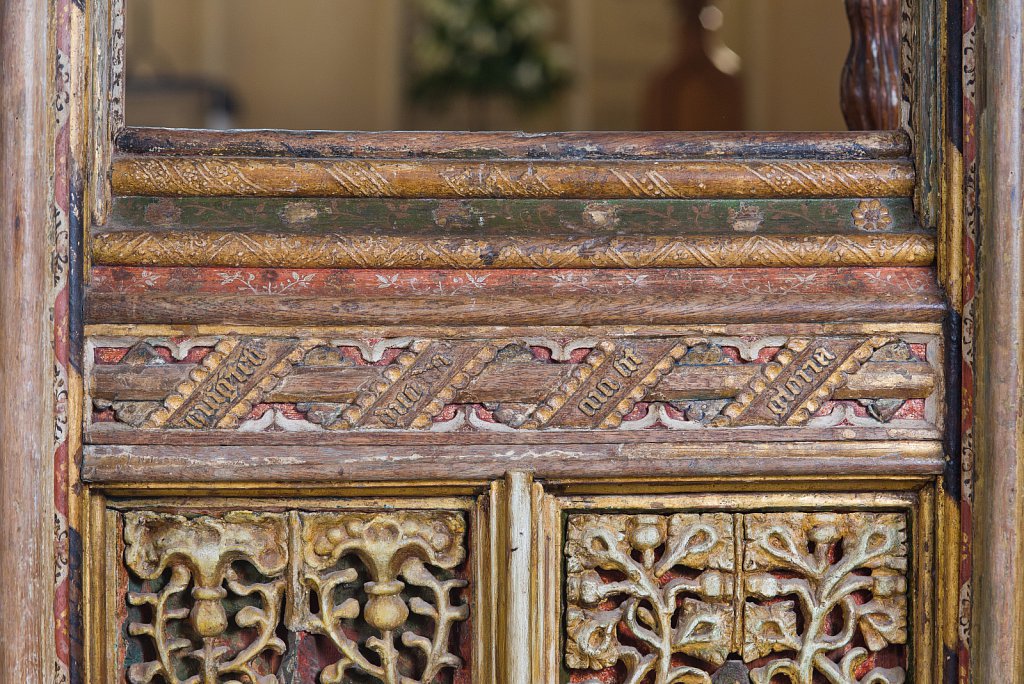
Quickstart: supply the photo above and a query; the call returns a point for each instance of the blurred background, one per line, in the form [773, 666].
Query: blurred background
[534, 65]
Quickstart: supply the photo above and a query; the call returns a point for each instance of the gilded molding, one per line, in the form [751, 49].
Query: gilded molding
[283, 177]
[345, 250]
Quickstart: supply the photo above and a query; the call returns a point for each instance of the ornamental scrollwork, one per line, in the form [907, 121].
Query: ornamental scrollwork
[757, 597]
[386, 594]
[643, 588]
[264, 384]
[207, 597]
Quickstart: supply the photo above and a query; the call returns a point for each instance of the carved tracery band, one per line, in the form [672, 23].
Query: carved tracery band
[805, 597]
[256, 384]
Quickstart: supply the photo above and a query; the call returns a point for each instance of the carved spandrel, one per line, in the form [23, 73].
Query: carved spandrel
[207, 598]
[386, 590]
[521, 384]
[816, 597]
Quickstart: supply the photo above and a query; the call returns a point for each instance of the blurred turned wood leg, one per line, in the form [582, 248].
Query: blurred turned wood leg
[870, 89]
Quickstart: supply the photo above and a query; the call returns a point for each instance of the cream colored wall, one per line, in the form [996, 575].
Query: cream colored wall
[301, 64]
[792, 54]
[337, 64]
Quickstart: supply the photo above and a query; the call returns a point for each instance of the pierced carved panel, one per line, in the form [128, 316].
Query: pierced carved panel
[386, 594]
[754, 598]
[207, 597]
[643, 589]
[304, 598]
[512, 385]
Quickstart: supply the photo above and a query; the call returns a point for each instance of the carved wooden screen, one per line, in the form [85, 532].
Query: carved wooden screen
[380, 407]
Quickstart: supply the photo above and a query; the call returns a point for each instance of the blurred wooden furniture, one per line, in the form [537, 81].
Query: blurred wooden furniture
[871, 75]
[693, 94]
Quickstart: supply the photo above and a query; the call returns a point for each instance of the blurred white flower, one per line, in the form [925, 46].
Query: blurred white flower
[528, 74]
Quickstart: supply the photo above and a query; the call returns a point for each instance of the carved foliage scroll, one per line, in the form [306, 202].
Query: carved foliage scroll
[402, 563]
[260, 598]
[841, 578]
[210, 596]
[642, 589]
[757, 597]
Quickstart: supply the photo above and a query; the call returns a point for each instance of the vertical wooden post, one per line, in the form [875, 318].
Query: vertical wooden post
[26, 366]
[998, 624]
[870, 87]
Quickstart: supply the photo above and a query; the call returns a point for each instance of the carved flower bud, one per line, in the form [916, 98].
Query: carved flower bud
[585, 588]
[385, 609]
[208, 616]
[763, 585]
[889, 585]
[646, 532]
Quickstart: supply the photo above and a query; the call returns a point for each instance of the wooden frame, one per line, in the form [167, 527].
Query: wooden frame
[999, 639]
[998, 627]
[26, 465]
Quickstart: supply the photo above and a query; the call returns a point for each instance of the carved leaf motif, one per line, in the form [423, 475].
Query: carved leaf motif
[208, 555]
[665, 581]
[402, 562]
[883, 621]
[704, 630]
[593, 642]
[769, 628]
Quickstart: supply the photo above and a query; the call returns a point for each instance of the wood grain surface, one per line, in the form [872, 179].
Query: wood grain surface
[514, 145]
[26, 375]
[326, 464]
[998, 637]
